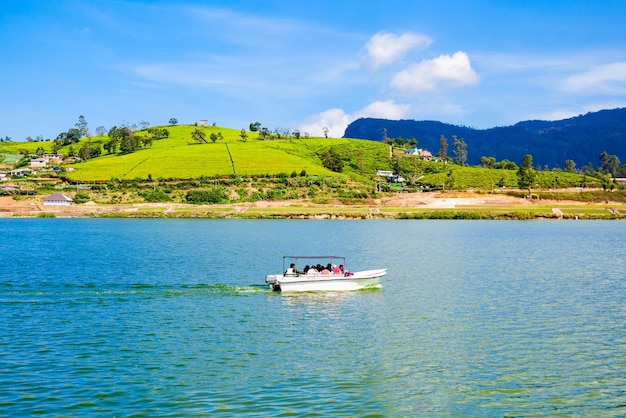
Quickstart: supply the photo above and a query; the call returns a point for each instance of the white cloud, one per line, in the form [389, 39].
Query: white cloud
[337, 120]
[443, 71]
[388, 109]
[608, 78]
[385, 48]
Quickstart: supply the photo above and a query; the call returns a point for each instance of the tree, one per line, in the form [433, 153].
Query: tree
[264, 133]
[173, 121]
[570, 166]
[460, 150]
[215, 137]
[526, 173]
[84, 152]
[588, 170]
[158, 133]
[146, 141]
[607, 181]
[332, 161]
[72, 136]
[198, 136]
[443, 148]
[89, 150]
[101, 130]
[487, 162]
[325, 130]
[111, 145]
[243, 135]
[609, 164]
[451, 179]
[81, 125]
[254, 127]
[296, 133]
[56, 146]
[506, 165]
[124, 136]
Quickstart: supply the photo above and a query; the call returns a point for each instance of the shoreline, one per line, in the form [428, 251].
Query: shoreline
[431, 205]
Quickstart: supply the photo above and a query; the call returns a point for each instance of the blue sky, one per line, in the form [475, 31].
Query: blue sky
[294, 64]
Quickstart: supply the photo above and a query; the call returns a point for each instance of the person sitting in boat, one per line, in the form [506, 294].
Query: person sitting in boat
[344, 272]
[327, 269]
[336, 269]
[291, 271]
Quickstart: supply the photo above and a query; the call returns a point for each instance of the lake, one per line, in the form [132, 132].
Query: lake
[150, 317]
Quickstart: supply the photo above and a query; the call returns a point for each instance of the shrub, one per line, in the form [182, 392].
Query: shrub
[276, 193]
[332, 161]
[155, 195]
[213, 195]
[81, 197]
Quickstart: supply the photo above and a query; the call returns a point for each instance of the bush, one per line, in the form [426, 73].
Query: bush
[213, 195]
[332, 161]
[156, 195]
[81, 197]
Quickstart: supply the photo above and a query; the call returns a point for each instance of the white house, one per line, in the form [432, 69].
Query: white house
[390, 176]
[21, 171]
[384, 173]
[57, 199]
[38, 162]
[54, 157]
[422, 153]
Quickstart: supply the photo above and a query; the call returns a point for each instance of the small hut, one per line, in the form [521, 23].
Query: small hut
[57, 199]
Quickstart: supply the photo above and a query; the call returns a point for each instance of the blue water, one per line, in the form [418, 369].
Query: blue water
[171, 317]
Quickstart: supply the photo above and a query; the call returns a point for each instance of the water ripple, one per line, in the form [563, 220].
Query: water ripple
[473, 319]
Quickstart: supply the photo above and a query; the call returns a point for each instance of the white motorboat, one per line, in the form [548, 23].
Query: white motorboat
[333, 277]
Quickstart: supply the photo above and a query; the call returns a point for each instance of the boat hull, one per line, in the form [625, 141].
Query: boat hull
[325, 282]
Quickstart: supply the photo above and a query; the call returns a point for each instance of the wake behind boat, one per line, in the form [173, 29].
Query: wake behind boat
[331, 276]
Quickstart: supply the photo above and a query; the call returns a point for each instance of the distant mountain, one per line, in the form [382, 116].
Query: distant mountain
[581, 139]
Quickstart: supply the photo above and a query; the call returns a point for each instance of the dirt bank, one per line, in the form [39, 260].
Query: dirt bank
[34, 207]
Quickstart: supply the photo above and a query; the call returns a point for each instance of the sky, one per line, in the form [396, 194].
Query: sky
[305, 64]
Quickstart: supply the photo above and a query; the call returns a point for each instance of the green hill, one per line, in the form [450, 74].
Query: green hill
[341, 160]
[580, 139]
[180, 157]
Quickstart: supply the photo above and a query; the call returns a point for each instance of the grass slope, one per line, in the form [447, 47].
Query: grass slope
[179, 157]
